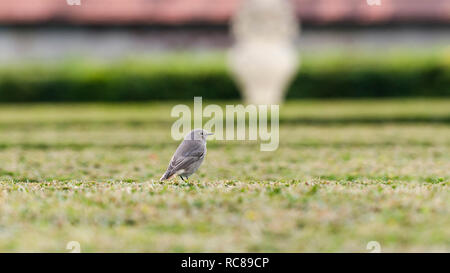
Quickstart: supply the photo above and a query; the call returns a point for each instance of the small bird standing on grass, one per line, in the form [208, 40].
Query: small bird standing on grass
[189, 155]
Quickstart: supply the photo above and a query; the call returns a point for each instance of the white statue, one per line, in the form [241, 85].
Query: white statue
[264, 58]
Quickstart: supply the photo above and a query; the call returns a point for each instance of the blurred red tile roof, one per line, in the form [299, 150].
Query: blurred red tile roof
[215, 11]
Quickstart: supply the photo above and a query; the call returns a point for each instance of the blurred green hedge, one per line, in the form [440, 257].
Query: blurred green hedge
[179, 78]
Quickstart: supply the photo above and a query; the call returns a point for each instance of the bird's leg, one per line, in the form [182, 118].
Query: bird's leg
[182, 178]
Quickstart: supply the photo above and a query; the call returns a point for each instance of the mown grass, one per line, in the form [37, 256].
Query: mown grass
[345, 173]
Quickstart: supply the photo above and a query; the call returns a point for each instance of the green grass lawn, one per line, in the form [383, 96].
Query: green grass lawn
[345, 173]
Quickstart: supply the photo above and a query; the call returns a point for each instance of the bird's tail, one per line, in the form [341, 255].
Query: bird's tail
[165, 176]
[169, 174]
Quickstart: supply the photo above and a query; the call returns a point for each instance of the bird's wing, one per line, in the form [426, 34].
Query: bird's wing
[187, 153]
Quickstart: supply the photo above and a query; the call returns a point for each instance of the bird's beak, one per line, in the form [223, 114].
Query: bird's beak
[210, 134]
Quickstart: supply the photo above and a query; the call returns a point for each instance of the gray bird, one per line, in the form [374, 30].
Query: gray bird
[188, 156]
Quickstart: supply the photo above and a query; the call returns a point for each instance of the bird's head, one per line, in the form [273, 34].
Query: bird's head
[197, 134]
